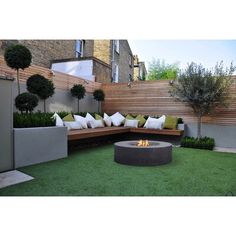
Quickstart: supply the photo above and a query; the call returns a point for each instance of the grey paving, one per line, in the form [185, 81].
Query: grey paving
[13, 177]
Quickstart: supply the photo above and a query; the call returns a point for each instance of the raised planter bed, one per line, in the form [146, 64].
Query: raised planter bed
[37, 145]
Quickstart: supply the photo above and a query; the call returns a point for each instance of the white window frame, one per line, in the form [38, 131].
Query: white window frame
[81, 52]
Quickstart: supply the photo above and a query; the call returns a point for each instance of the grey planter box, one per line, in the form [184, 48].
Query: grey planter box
[37, 145]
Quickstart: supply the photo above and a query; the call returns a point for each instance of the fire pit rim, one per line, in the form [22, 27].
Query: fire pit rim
[131, 144]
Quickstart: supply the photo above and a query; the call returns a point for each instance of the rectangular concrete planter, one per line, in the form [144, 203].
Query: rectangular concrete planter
[37, 145]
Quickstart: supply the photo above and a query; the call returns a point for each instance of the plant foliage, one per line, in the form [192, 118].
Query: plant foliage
[159, 70]
[99, 95]
[200, 143]
[78, 91]
[18, 56]
[26, 102]
[203, 89]
[39, 85]
[37, 119]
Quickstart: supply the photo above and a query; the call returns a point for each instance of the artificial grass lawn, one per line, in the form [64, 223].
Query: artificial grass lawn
[92, 172]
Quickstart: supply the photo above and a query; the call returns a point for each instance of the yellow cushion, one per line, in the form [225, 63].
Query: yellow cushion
[170, 122]
[141, 119]
[69, 117]
[98, 117]
[129, 117]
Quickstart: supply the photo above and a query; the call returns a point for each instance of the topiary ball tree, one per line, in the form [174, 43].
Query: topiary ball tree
[39, 85]
[99, 95]
[26, 102]
[78, 91]
[18, 57]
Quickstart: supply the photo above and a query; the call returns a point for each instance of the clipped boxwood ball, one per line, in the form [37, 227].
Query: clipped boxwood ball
[18, 57]
[26, 102]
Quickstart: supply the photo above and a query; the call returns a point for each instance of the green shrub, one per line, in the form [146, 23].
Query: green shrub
[18, 57]
[37, 119]
[78, 91]
[39, 85]
[200, 143]
[26, 102]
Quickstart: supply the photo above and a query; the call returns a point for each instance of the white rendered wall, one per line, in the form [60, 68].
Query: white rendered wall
[82, 69]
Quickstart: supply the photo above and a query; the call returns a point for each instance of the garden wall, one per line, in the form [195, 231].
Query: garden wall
[6, 123]
[62, 99]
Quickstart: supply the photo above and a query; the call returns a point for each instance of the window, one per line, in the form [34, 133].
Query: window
[117, 46]
[130, 60]
[116, 74]
[79, 48]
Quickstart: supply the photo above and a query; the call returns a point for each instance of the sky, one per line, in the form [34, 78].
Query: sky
[206, 52]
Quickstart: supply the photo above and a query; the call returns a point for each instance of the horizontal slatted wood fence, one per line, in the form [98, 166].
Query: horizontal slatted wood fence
[60, 80]
[153, 98]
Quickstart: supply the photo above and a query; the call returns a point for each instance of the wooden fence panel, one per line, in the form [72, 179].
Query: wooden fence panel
[60, 80]
[153, 98]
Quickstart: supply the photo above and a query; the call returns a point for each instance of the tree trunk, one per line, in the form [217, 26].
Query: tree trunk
[44, 105]
[18, 80]
[98, 107]
[78, 105]
[199, 126]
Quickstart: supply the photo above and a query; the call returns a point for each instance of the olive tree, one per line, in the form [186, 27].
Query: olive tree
[203, 89]
[18, 57]
[78, 91]
[99, 95]
[39, 85]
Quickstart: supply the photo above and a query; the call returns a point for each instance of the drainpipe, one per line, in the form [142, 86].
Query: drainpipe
[112, 61]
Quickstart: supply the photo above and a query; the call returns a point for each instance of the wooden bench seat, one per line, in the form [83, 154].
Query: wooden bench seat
[90, 133]
[174, 132]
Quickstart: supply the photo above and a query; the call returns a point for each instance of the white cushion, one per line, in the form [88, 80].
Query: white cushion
[107, 120]
[89, 118]
[73, 125]
[131, 123]
[117, 119]
[82, 121]
[59, 121]
[96, 124]
[161, 120]
[153, 123]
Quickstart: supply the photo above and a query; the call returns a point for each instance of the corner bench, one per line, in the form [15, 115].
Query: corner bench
[90, 133]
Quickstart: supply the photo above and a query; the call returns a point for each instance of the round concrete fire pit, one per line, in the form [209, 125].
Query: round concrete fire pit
[157, 153]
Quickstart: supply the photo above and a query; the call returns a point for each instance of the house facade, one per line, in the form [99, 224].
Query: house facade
[140, 71]
[103, 61]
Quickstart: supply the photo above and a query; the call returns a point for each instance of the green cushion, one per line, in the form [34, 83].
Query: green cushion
[170, 122]
[129, 117]
[69, 117]
[141, 119]
[98, 117]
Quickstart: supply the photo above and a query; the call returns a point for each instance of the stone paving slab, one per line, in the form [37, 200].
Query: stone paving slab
[223, 149]
[13, 177]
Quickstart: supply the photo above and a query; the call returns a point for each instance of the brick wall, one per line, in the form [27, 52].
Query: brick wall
[43, 51]
[102, 71]
[102, 50]
[123, 61]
